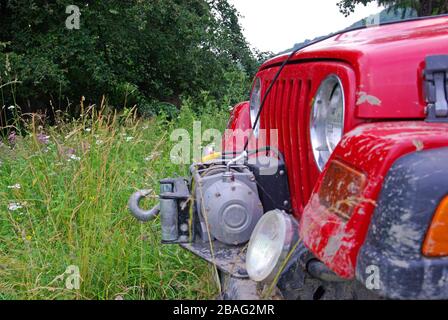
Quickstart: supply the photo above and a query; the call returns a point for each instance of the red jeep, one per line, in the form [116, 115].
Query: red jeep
[349, 198]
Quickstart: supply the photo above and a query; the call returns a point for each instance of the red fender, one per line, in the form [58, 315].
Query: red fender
[371, 150]
[239, 122]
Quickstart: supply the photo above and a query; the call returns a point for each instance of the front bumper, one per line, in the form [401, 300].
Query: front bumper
[228, 259]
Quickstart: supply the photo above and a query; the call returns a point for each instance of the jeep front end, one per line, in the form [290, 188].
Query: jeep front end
[349, 199]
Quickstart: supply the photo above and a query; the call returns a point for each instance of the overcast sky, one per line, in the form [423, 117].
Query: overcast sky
[276, 25]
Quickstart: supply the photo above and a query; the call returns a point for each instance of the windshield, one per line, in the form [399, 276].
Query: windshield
[399, 9]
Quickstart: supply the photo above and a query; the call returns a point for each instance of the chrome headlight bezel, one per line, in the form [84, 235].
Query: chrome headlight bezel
[327, 119]
[254, 105]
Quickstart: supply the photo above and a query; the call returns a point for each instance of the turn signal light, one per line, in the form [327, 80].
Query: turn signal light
[341, 189]
[436, 242]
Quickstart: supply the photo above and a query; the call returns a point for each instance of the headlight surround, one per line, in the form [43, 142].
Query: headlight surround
[327, 119]
[270, 245]
[255, 103]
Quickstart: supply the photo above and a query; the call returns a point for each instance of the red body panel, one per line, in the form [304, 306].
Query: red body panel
[240, 117]
[371, 149]
[239, 120]
[388, 63]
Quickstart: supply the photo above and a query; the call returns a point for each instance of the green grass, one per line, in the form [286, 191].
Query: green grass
[74, 192]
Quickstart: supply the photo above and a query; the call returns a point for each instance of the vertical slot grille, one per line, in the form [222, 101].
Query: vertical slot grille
[286, 111]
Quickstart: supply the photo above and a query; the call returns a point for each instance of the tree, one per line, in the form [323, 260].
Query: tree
[135, 52]
[422, 7]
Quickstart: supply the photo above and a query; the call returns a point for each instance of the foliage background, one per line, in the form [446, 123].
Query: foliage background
[421, 7]
[145, 53]
[75, 145]
[63, 202]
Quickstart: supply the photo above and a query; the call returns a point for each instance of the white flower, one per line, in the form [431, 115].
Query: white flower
[17, 186]
[152, 156]
[74, 157]
[14, 206]
[128, 139]
[11, 107]
[99, 142]
[87, 129]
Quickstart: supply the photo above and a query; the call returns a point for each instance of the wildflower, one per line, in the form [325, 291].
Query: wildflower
[152, 156]
[12, 138]
[14, 206]
[75, 158]
[85, 146]
[128, 139]
[17, 186]
[69, 152]
[11, 107]
[87, 130]
[43, 139]
[99, 142]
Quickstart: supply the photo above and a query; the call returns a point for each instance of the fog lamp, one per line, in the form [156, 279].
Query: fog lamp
[272, 240]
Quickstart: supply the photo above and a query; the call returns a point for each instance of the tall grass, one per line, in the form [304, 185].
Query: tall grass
[63, 201]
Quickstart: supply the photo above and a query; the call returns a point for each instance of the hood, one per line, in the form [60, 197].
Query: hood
[388, 62]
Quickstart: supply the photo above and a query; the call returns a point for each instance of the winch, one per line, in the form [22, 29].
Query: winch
[227, 202]
[219, 205]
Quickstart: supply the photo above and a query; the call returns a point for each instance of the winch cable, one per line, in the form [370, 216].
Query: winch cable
[309, 44]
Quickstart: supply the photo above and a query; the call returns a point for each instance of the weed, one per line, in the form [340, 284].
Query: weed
[75, 179]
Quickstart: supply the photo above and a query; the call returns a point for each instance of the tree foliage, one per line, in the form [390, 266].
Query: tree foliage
[133, 51]
[422, 7]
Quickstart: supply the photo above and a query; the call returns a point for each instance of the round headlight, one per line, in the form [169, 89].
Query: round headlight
[255, 102]
[327, 119]
[269, 245]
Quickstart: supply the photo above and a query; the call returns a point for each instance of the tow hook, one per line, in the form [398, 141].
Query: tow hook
[139, 213]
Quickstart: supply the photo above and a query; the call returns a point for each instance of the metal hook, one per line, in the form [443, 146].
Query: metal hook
[139, 213]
